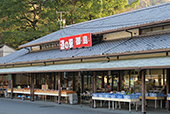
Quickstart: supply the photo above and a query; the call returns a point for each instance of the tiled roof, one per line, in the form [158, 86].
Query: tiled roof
[108, 47]
[116, 65]
[13, 56]
[127, 19]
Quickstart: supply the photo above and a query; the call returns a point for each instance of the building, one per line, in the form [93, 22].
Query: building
[5, 50]
[118, 51]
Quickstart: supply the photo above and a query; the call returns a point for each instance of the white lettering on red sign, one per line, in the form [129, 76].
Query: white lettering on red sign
[77, 41]
[62, 44]
[71, 43]
[85, 40]
[66, 45]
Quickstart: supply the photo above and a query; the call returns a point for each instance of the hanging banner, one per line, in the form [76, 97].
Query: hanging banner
[76, 41]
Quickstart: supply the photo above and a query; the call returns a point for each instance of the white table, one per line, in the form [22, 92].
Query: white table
[65, 95]
[39, 93]
[113, 100]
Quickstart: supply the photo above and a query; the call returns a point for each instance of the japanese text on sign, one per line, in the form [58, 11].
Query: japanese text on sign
[77, 41]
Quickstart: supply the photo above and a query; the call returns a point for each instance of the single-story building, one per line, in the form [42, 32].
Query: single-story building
[127, 51]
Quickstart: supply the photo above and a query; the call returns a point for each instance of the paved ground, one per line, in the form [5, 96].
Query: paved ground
[17, 106]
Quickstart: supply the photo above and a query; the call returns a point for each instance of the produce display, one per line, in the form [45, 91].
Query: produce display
[168, 96]
[117, 95]
[126, 95]
[154, 95]
[27, 90]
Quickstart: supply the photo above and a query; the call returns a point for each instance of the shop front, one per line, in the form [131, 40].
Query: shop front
[127, 61]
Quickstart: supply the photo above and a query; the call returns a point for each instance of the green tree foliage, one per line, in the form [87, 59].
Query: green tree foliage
[25, 20]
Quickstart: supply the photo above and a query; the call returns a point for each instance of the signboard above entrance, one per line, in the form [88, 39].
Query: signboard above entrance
[76, 41]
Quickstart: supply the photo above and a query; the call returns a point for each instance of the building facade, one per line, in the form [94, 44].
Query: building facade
[120, 52]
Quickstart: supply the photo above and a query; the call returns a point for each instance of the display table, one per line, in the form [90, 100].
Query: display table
[113, 100]
[64, 93]
[154, 98]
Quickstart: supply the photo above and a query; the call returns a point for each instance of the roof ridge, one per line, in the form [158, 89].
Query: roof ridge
[119, 14]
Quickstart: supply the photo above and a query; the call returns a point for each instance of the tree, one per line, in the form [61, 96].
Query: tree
[84, 10]
[25, 20]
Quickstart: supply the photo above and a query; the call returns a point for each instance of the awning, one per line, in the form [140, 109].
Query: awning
[146, 63]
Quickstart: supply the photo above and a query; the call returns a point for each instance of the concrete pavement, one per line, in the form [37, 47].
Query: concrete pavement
[17, 106]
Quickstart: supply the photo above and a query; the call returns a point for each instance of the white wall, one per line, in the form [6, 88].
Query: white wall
[7, 50]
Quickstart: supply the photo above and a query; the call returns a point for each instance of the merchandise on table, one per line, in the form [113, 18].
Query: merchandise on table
[168, 95]
[101, 94]
[113, 95]
[95, 94]
[119, 96]
[116, 95]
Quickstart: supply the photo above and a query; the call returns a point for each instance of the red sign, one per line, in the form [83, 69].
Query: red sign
[76, 41]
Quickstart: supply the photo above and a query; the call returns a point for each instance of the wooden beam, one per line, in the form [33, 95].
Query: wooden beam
[143, 92]
[12, 84]
[51, 80]
[37, 79]
[82, 82]
[32, 87]
[129, 78]
[163, 77]
[59, 87]
[168, 87]
[74, 81]
[118, 81]
[54, 77]
[112, 82]
[102, 74]
[94, 82]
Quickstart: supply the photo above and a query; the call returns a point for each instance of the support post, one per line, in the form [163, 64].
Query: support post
[112, 82]
[82, 82]
[129, 78]
[59, 88]
[163, 77]
[37, 79]
[12, 84]
[143, 92]
[74, 81]
[102, 74]
[32, 87]
[118, 81]
[168, 87]
[94, 82]
[54, 81]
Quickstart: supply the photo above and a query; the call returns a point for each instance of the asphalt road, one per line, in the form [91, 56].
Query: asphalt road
[17, 106]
